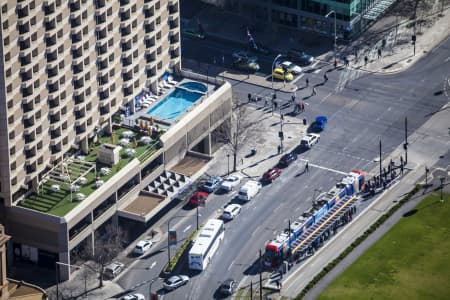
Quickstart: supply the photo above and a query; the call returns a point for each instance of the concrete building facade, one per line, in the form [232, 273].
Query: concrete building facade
[352, 16]
[67, 68]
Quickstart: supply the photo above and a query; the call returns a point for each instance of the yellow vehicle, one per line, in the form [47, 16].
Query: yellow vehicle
[279, 73]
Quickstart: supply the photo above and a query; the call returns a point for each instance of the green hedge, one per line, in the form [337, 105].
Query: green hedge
[174, 260]
[357, 242]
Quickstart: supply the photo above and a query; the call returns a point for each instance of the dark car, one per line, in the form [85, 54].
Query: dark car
[241, 54]
[271, 174]
[246, 65]
[227, 287]
[319, 124]
[300, 56]
[287, 159]
[260, 49]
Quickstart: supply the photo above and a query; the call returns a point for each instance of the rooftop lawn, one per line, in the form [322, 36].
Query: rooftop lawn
[411, 261]
[59, 203]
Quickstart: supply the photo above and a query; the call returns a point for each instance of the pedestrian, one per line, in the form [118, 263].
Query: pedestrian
[355, 52]
[265, 102]
[335, 63]
[307, 167]
[275, 104]
[325, 76]
[379, 52]
[302, 106]
[279, 149]
[366, 60]
[242, 161]
[314, 91]
[293, 98]
[346, 61]
[307, 81]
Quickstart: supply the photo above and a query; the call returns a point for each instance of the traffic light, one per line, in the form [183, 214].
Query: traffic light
[280, 134]
[405, 146]
[413, 39]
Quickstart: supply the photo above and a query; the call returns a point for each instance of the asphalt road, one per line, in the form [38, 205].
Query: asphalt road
[361, 107]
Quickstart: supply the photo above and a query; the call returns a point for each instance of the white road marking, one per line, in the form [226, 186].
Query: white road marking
[324, 168]
[317, 71]
[187, 228]
[315, 63]
[153, 264]
[229, 267]
[447, 59]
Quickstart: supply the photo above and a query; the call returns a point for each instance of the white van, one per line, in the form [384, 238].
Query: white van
[249, 190]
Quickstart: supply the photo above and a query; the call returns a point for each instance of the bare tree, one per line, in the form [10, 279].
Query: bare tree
[106, 247]
[235, 132]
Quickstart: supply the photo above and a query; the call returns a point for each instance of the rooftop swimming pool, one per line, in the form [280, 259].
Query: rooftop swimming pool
[178, 101]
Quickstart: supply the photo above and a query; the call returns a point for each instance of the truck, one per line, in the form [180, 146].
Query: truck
[249, 190]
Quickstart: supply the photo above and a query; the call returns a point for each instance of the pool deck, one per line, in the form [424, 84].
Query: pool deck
[165, 123]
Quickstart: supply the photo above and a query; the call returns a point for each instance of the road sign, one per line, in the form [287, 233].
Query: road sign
[172, 237]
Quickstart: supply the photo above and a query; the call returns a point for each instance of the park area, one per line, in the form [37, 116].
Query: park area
[411, 261]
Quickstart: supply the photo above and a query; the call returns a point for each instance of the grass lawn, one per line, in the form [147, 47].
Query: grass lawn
[59, 203]
[411, 261]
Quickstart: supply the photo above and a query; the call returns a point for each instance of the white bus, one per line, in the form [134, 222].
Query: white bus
[206, 244]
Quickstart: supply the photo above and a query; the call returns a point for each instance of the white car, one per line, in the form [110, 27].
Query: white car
[80, 196]
[291, 67]
[133, 297]
[175, 282]
[142, 246]
[310, 140]
[231, 211]
[230, 182]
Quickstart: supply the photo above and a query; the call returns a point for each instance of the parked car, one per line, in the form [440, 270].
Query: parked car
[309, 140]
[249, 190]
[143, 246]
[231, 211]
[281, 74]
[241, 54]
[271, 175]
[230, 182]
[287, 159]
[245, 65]
[212, 184]
[260, 48]
[227, 287]
[136, 296]
[290, 67]
[175, 282]
[113, 269]
[197, 197]
[319, 124]
[300, 56]
[193, 33]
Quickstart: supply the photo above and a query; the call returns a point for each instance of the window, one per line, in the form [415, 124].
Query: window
[13, 166]
[84, 15]
[61, 49]
[60, 33]
[111, 57]
[59, 18]
[4, 8]
[63, 95]
[85, 30]
[88, 91]
[12, 135]
[33, 21]
[109, 11]
[135, 54]
[32, 4]
[34, 53]
[11, 120]
[9, 90]
[86, 61]
[111, 73]
[88, 76]
[5, 24]
[61, 64]
[86, 46]
[136, 69]
[34, 36]
[36, 68]
[135, 38]
[111, 42]
[6, 41]
[62, 80]
[36, 84]
[110, 27]
[12, 151]
[8, 72]
[7, 56]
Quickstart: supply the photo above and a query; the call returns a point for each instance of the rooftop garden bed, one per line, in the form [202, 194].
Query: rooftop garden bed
[83, 173]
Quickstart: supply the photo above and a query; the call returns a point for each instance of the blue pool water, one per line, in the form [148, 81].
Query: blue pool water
[176, 102]
[195, 86]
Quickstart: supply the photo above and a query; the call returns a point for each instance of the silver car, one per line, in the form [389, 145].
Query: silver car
[175, 282]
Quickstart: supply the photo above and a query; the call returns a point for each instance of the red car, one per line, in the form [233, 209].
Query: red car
[271, 174]
[195, 199]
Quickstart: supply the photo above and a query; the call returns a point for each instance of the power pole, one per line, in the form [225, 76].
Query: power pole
[405, 145]
[380, 163]
[260, 276]
[251, 290]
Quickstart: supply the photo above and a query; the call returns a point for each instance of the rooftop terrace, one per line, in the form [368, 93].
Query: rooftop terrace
[73, 180]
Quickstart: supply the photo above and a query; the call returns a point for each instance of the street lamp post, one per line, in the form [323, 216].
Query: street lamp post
[281, 134]
[150, 287]
[168, 238]
[273, 66]
[228, 158]
[335, 37]
[442, 179]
